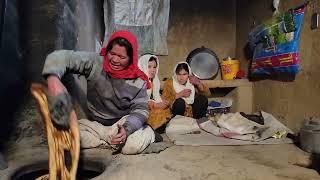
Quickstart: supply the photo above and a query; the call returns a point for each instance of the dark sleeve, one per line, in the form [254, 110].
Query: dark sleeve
[138, 111]
[67, 61]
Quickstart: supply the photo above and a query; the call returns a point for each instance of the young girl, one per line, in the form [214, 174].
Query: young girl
[185, 93]
[159, 111]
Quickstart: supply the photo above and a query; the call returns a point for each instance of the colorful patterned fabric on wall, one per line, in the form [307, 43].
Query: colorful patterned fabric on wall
[275, 45]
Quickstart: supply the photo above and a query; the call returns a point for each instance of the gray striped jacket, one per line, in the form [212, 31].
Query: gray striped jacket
[108, 99]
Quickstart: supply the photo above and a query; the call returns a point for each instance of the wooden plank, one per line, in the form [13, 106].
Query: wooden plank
[226, 83]
[223, 83]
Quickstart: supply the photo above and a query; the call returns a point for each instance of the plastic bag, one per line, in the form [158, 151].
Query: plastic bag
[275, 45]
[148, 20]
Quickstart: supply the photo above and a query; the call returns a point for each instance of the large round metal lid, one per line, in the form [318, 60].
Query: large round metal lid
[204, 63]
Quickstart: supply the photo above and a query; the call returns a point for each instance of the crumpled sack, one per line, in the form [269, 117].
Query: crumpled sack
[235, 126]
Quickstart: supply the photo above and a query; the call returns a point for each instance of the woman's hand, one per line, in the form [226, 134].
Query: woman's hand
[55, 86]
[183, 93]
[196, 82]
[59, 103]
[119, 138]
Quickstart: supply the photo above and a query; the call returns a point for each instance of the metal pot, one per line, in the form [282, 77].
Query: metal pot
[204, 63]
[310, 136]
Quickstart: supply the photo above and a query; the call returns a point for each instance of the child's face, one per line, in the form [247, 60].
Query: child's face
[152, 69]
[182, 76]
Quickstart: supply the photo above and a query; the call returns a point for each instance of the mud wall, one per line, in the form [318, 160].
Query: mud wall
[291, 102]
[45, 26]
[193, 24]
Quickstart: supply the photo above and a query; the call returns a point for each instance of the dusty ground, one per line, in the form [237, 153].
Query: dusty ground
[186, 163]
[237, 162]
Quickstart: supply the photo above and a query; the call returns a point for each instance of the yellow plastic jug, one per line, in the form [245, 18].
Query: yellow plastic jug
[229, 68]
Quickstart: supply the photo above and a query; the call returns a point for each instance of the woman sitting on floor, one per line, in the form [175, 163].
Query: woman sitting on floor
[116, 93]
[185, 93]
[159, 111]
